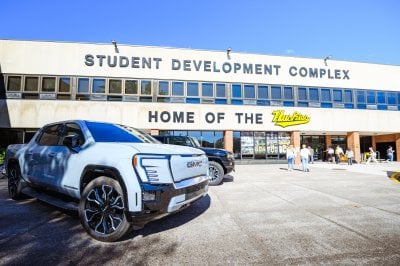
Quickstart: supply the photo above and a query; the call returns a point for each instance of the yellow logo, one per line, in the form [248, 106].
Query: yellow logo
[283, 120]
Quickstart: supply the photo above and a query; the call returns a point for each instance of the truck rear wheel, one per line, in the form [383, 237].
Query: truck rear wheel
[216, 173]
[14, 182]
[102, 210]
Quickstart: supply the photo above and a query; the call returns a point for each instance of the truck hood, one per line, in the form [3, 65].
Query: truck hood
[163, 149]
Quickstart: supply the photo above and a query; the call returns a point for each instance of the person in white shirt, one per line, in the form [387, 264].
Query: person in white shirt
[304, 154]
[372, 156]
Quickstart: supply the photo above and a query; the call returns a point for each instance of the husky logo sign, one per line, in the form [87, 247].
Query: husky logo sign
[283, 120]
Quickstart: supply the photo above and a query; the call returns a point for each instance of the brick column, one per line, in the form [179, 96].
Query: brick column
[353, 142]
[228, 140]
[397, 148]
[295, 141]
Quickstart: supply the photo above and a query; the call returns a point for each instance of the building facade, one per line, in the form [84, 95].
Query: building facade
[254, 105]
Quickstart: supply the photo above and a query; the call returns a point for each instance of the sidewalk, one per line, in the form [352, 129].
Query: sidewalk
[382, 168]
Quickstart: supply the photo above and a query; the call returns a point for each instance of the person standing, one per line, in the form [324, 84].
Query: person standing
[311, 159]
[338, 153]
[349, 155]
[290, 156]
[372, 156]
[390, 153]
[304, 154]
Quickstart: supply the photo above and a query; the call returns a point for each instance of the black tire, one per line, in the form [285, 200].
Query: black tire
[216, 173]
[102, 210]
[14, 182]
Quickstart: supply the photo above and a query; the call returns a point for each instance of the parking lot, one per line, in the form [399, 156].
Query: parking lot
[262, 214]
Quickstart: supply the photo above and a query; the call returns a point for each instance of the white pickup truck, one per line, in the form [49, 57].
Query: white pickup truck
[116, 176]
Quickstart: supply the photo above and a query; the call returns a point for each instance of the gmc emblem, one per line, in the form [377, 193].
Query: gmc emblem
[194, 164]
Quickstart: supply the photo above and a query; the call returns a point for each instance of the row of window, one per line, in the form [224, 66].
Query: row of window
[85, 88]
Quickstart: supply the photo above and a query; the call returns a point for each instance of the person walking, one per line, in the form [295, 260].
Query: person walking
[304, 154]
[390, 153]
[372, 156]
[330, 152]
[349, 155]
[290, 156]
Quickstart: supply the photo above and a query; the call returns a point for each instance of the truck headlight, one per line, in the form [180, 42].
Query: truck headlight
[152, 168]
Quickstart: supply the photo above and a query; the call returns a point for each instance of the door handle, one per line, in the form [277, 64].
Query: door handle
[52, 154]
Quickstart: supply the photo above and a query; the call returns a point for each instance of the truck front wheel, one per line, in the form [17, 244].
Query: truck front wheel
[14, 182]
[216, 173]
[102, 210]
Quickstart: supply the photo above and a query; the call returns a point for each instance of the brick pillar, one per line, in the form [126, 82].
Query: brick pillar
[295, 141]
[154, 132]
[228, 140]
[353, 142]
[397, 148]
[328, 141]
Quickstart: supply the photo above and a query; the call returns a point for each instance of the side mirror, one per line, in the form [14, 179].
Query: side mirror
[72, 142]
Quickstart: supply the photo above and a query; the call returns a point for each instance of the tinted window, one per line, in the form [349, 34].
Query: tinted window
[302, 93]
[371, 97]
[326, 95]
[288, 93]
[99, 86]
[104, 132]
[115, 86]
[64, 85]
[391, 98]
[50, 136]
[361, 96]
[381, 95]
[14, 83]
[163, 88]
[131, 86]
[192, 89]
[146, 87]
[74, 129]
[249, 92]
[262, 92]
[236, 91]
[83, 85]
[177, 88]
[49, 84]
[220, 90]
[348, 96]
[31, 83]
[276, 93]
[337, 96]
[207, 90]
[313, 94]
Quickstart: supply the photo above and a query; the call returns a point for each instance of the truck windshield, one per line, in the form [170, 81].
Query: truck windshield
[196, 142]
[105, 132]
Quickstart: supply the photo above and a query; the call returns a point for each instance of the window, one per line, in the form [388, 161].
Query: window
[288, 93]
[31, 84]
[276, 93]
[99, 86]
[313, 93]
[145, 87]
[207, 90]
[50, 136]
[14, 83]
[64, 85]
[48, 84]
[131, 86]
[163, 88]
[360, 96]
[348, 96]
[115, 86]
[236, 91]
[220, 90]
[249, 91]
[326, 95]
[381, 96]
[74, 129]
[391, 97]
[83, 85]
[371, 97]
[302, 94]
[262, 92]
[192, 89]
[177, 88]
[337, 95]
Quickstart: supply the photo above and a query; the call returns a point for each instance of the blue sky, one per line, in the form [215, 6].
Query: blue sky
[355, 30]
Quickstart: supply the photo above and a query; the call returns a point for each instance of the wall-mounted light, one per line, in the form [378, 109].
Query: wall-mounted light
[326, 59]
[228, 51]
[114, 42]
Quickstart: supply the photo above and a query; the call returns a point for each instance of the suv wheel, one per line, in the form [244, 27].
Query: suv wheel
[14, 182]
[216, 173]
[102, 210]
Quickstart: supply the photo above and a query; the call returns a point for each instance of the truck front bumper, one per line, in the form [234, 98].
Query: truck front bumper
[169, 198]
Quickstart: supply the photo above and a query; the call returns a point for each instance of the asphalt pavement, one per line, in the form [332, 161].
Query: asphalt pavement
[260, 215]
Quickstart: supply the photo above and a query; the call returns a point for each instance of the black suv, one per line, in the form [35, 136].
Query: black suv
[221, 161]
